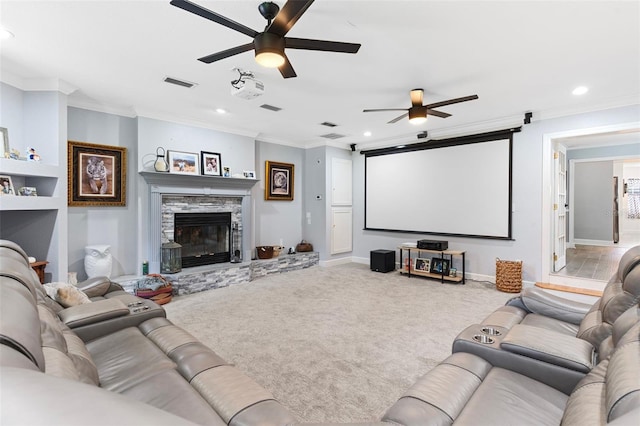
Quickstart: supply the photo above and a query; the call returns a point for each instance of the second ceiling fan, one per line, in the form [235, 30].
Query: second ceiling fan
[269, 45]
[418, 112]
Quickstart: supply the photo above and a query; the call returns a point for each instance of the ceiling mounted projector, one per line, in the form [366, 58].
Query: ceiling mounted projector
[246, 86]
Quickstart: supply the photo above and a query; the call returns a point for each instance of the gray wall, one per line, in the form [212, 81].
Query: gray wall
[278, 220]
[115, 226]
[593, 200]
[314, 214]
[528, 193]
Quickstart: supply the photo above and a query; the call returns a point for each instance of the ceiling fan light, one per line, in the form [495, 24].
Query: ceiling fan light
[269, 50]
[269, 59]
[417, 115]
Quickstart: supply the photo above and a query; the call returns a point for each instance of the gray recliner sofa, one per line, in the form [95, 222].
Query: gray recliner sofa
[593, 323]
[118, 371]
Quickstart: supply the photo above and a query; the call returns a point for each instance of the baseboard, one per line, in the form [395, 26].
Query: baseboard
[601, 243]
[335, 262]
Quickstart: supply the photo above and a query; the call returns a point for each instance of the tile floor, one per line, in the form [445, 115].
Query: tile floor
[593, 262]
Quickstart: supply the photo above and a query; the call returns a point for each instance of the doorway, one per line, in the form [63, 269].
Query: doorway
[587, 265]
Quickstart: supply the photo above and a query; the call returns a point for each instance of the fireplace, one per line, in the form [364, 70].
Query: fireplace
[205, 237]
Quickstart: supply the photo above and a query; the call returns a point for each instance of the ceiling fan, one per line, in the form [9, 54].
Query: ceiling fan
[418, 112]
[269, 44]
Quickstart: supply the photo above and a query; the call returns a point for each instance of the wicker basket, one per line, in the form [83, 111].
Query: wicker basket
[509, 275]
[264, 252]
[160, 295]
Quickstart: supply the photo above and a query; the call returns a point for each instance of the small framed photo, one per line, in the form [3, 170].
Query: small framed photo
[279, 180]
[422, 264]
[453, 272]
[185, 163]
[226, 172]
[440, 266]
[97, 175]
[250, 174]
[211, 163]
[6, 186]
[28, 191]
[4, 134]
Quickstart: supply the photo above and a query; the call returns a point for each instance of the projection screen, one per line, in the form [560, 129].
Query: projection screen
[459, 189]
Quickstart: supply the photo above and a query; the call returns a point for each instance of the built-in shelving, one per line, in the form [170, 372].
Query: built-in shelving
[43, 177]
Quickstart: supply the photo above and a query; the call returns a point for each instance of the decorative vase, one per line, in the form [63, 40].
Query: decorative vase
[98, 261]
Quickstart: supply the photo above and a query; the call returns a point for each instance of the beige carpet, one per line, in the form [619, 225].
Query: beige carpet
[335, 344]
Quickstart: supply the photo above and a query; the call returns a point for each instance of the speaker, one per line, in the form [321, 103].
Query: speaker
[383, 260]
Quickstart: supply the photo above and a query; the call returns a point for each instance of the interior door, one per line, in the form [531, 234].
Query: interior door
[560, 208]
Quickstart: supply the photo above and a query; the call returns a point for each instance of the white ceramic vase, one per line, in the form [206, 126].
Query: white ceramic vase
[98, 261]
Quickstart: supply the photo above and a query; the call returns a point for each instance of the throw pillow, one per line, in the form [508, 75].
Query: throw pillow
[69, 296]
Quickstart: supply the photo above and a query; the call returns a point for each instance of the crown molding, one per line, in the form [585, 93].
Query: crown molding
[38, 84]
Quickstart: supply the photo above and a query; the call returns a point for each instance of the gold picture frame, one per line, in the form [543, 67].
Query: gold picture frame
[97, 175]
[279, 181]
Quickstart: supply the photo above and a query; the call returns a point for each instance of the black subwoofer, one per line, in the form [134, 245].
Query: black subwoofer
[383, 260]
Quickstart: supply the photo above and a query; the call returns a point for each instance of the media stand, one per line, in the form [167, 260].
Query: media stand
[407, 264]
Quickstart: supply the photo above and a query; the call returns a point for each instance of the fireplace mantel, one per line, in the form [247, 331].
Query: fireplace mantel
[160, 184]
[172, 179]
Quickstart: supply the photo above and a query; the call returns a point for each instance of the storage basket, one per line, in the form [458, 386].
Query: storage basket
[304, 246]
[509, 275]
[264, 252]
[155, 287]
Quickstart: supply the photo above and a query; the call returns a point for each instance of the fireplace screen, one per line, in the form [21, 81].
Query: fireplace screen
[205, 237]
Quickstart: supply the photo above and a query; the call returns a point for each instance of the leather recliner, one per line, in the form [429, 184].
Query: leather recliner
[538, 308]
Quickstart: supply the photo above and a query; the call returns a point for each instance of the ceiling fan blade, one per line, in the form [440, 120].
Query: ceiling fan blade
[288, 16]
[395, 120]
[452, 101]
[323, 45]
[212, 16]
[226, 53]
[286, 69]
[438, 113]
[386, 109]
[416, 97]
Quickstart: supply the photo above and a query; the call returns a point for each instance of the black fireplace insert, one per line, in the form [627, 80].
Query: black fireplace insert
[205, 237]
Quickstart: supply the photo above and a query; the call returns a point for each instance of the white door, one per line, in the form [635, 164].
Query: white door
[341, 240]
[560, 208]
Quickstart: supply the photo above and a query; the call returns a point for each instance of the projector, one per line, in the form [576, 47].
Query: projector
[247, 88]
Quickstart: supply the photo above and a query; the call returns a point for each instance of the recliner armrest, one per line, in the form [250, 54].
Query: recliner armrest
[97, 286]
[551, 347]
[90, 313]
[541, 302]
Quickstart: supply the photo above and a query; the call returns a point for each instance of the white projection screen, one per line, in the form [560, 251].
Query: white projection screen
[453, 189]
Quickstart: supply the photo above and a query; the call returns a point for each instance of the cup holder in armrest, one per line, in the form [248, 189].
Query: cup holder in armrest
[492, 331]
[483, 338]
[135, 304]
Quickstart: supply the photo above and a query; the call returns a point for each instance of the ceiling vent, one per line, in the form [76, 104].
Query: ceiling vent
[332, 136]
[177, 82]
[328, 124]
[270, 107]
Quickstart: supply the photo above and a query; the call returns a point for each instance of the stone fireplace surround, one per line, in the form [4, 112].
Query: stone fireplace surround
[169, 194]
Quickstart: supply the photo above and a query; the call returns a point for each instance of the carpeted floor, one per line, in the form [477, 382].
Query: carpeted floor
[335, 344]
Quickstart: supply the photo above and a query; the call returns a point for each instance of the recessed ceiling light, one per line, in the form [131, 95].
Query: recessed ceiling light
[5, 34]
[367, 133]
[580, 90]
[221, 111]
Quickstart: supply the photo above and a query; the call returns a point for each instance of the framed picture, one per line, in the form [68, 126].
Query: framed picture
[185, 163]
[422, 264]
[97, 174]
[4, 133]
[226, 172]
[250, 174]
[28, 191]
[439, 266]
[6, 186]
[453, 272]
[211, 163]
[279, 180]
